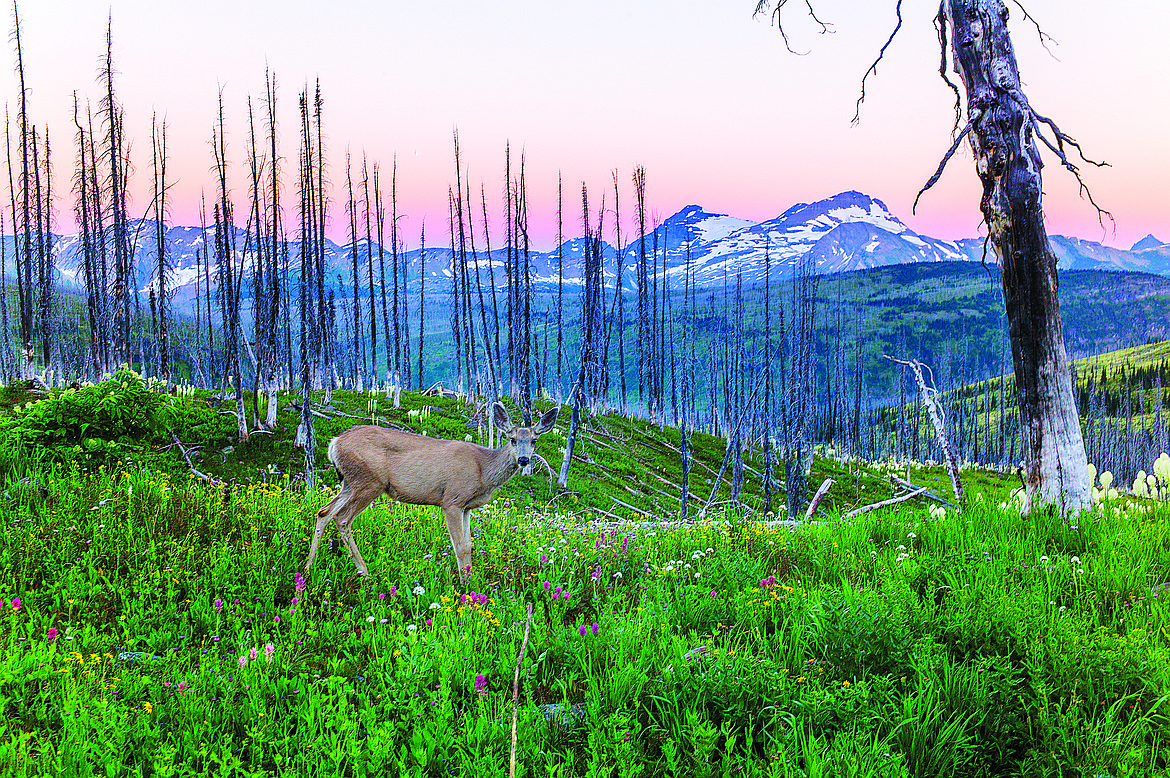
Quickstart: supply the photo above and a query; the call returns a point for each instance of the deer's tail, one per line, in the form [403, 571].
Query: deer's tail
[333, 452]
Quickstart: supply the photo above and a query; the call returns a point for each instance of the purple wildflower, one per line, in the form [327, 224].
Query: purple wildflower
[596, 628]
[300, 583]
[16, 604]
[581, 630]
[269, 650]
[218, 605]
[596, 573]
[52, 634]
[480, 683]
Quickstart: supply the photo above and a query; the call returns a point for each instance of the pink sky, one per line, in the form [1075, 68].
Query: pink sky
[700, 93]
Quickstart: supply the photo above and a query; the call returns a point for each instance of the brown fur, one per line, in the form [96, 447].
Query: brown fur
[454, 475]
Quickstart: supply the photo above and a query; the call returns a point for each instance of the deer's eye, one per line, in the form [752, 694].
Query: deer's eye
[513, 441]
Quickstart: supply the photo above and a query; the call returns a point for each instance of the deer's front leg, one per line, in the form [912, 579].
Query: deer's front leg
[467, 536]
[460, 540]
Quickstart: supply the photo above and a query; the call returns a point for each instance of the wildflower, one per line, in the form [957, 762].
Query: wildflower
[596, 628]
[411, 627]
[434, 606]
[618, 575]
[1076, 560]
[16, 604]
[546, 585]
[269, 650]
[300, 585]
[714, 593]
[480, 683]
[581, 630]
[218, 605]
[596, 573]
[243, 660]
[52, 634]
[1043, 560]
[419, 591]
[148, 707]
[371, 619]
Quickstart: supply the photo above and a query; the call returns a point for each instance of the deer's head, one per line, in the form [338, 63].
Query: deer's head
[520, 439]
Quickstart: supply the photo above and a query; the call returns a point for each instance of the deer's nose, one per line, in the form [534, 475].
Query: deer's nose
[522, 461]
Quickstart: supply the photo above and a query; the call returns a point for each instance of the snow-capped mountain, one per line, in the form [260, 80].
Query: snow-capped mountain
[848, 231]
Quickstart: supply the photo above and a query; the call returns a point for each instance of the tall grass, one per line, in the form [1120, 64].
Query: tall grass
[160, 628]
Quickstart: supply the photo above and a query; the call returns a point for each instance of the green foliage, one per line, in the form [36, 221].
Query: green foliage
[897, 644]
[95, 423]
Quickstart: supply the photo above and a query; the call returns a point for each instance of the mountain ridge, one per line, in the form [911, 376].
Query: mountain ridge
[848, 231]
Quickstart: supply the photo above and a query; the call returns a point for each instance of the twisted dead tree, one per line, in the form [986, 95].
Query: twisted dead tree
[1004, 131]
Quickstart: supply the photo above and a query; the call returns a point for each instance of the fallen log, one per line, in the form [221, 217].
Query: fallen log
[884, 503]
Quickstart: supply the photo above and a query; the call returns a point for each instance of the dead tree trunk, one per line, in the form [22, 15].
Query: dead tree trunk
[1003, 130]
[936, 419]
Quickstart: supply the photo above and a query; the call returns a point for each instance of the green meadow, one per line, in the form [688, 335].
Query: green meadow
[154, 624]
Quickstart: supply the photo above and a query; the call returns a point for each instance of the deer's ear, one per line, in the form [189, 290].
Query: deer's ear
[547, 421]
[501, 415]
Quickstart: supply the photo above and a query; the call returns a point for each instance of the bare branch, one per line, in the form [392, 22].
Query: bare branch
[940, 26]
[884, 503]
[516, 692]
[873, 67]
[816, 500]
[1044, 37]
[942, 165]
[764, 5]
[1057, 148]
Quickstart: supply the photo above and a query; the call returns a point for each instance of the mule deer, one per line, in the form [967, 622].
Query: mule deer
[455, 475]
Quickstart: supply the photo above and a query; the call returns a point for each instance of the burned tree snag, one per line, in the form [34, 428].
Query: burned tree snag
[1004, 129]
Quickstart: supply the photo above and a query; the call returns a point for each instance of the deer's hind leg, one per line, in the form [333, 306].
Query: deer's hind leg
[348, 503]
[360, 497]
